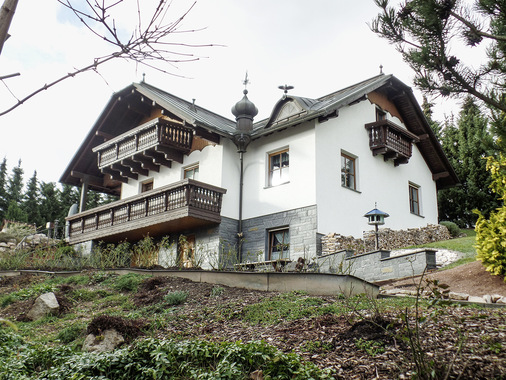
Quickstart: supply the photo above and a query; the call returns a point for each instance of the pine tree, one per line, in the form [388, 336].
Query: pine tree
[50, 207]
[31, 201]
[4, 203]
[15, 185]
[68, 196]
[467, 145]
[15, 213]
[428, 112]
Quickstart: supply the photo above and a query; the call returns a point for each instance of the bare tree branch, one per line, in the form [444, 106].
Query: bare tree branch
[149, 46]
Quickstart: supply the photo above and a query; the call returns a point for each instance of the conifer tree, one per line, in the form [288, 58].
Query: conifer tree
[467, 145]
[67, 197]
[31, 201]
[50, 207]
[3, 189]
[15, 185]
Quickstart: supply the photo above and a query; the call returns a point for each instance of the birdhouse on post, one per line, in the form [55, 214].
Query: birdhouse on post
[376, 218]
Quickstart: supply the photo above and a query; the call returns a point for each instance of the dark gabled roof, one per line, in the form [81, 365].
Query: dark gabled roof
[124, 111]
[193, 114]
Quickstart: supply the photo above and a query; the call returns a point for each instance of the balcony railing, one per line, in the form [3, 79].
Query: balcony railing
[185, 199]
[390, 140]
[154, 143]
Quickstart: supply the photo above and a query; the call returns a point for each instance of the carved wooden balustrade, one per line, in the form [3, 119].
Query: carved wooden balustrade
[185, 199]
[156, 142]
[390, 140]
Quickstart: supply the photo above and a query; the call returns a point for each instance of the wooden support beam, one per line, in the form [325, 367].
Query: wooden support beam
[135, 167]
[105, 135]
[146, 162]
[158, 158]
[210, 136]
[124, 171]
[114, 175]
[92, 180]
[440, 175]
[170, 154]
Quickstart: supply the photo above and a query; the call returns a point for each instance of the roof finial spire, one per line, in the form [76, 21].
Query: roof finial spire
[285, 88]
[245, 82]
[381, 69]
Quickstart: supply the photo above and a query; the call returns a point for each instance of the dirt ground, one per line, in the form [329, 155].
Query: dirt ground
[357, 345]
[471, 278]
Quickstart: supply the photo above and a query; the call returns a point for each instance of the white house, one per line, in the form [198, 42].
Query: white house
[271, 187]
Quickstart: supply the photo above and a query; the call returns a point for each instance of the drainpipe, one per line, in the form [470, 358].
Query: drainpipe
[244, 112]
[240, 233]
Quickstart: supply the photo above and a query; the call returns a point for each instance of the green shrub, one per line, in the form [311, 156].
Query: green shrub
[491, 233]
[71, 333]
[452, 228]
[176, 298]
[128, 282]
[159, 359]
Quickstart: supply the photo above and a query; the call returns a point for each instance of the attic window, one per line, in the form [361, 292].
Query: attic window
[380, 114]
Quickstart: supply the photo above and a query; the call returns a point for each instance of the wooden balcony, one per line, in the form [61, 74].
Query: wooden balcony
[147, 147]
[390, 140]
[183, 205]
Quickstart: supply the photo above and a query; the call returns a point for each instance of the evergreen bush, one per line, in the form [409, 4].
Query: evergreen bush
[452, 228]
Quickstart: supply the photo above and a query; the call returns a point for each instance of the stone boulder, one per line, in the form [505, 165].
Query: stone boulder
[45, 304]
[107, 341]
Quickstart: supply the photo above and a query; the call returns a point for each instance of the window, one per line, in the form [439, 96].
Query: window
[348, 172]
[414, 199]
[279, 244]
[147, 185]
[279, 165]
[380, 114]
[191, 172]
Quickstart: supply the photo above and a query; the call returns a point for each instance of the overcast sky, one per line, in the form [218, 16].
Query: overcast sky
[317, 46]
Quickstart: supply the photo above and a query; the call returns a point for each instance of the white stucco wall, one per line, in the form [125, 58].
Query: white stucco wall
[340, 209]
[261, 199]
[209, 160]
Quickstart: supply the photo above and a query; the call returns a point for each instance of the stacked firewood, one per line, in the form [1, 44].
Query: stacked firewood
[388, 239]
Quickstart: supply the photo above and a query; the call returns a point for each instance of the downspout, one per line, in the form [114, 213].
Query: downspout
[240, 233]
[244, 112]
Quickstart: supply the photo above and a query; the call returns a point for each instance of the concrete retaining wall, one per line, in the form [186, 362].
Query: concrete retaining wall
[312, 283]
[378, 265]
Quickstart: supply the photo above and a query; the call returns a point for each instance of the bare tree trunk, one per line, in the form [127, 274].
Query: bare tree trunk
[6, 14]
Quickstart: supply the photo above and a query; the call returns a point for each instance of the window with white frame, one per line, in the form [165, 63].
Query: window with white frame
[279, 167]
[279, 244]
[348, 171]
[191, 172]
[414, 199]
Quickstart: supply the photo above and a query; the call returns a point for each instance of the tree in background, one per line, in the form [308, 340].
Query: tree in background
[4, 203]
[425, 33]
[15, 185]
[467, 145]
[50, 206]
[67, 197]
[31, 199]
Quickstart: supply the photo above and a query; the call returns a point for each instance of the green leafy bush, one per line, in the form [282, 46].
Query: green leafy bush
[156, 359]
[128, 282]
[491, 233]
[452, 228]
[176, 298]
[71, 333]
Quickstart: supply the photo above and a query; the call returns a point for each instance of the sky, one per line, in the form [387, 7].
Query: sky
[317, 46]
